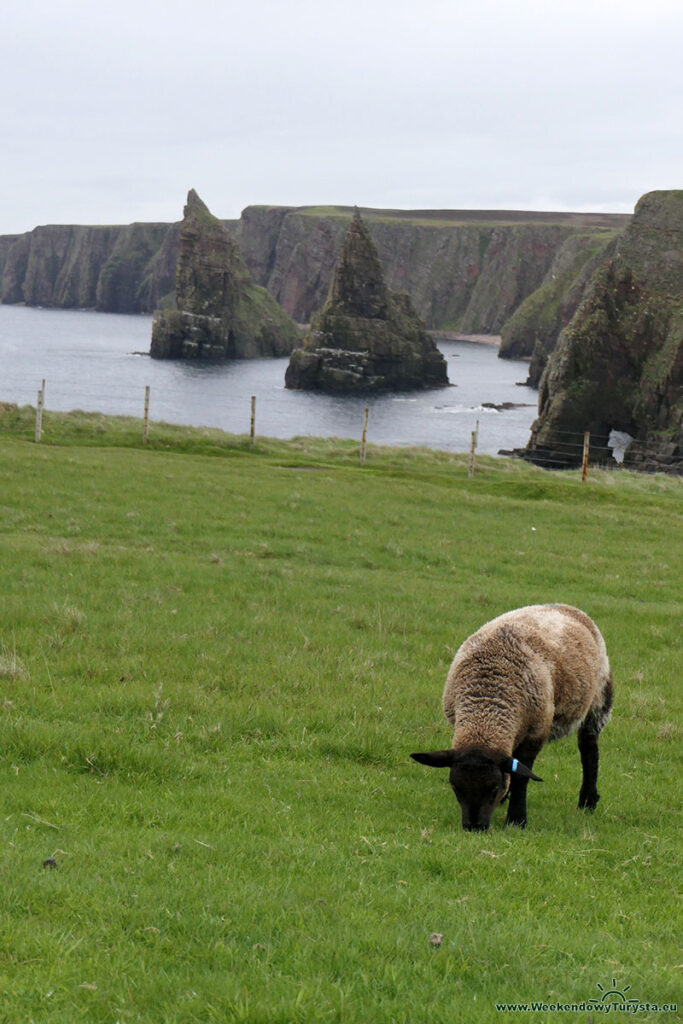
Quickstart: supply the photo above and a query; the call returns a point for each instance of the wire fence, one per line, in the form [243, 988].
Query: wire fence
[616, 450]
[437, 419]
[559, 450]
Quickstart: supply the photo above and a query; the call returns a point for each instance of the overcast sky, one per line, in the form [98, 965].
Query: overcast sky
[111, 110]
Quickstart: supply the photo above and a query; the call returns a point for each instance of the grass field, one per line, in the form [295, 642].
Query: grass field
[214, 664]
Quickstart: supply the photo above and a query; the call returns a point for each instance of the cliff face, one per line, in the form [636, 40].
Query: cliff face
[105, 268]
[462, 269]
[220, 311]
[366, 338]
[6, 244]
[157, 289]
[619, 363]
[534, 327]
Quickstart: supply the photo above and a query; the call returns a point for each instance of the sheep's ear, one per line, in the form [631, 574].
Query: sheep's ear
[436, 758]
[511, 764]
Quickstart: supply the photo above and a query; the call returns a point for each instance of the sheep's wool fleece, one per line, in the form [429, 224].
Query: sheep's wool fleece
[535, 672]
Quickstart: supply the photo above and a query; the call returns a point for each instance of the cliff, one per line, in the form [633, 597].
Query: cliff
[534, 327]
[219, 311]
[6, 244]
[466, 270]
[366, 338]
[105, 268]
[619, 363]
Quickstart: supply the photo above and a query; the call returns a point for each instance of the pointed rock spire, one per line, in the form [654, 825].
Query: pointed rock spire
[366, 338]
[210, 269]
[220, 311]
[358, 285]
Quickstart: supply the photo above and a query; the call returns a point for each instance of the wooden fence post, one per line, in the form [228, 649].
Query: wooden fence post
[252, 424]
[364, 436]
[39, 416]
[473, 448]
[145, 425]
[586, 451]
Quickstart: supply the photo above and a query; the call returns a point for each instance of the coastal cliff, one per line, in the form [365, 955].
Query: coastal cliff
[467, 270]
[104, 268]
[534, 327]
[112, 269]
[618, 364]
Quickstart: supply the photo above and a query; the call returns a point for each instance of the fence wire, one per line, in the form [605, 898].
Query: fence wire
[562, 449]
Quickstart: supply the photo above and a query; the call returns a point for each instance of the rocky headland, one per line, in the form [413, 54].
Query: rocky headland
[618, 364]
[534, 327]
[366, 338]
[220, 312]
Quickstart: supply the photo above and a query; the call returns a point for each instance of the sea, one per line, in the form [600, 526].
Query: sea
[99, 362]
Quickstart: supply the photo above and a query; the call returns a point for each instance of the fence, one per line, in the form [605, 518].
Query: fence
[429, 419]
[562, 450]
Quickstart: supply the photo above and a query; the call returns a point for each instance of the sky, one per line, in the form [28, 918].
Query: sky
[111, 110]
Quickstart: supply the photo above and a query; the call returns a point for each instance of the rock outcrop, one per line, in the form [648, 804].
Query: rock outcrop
[366, 337]
[619, 362]
[220, 312]
[534, 327]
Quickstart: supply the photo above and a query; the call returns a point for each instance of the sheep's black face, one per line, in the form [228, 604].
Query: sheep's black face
[477, 778]
[479, 788]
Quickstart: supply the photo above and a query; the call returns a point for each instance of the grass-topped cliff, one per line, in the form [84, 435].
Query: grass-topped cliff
[463, 269]
[113, 269]
[458, 218]
[466, 269]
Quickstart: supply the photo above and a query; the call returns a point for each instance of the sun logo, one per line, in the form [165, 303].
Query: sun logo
[613, 995]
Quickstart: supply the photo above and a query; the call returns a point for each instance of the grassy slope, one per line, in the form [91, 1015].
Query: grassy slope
[212, 671]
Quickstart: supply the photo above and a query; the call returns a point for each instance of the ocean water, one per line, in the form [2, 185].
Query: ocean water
[98, 362]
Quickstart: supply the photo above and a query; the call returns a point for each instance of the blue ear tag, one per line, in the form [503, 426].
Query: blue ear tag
[515, 764]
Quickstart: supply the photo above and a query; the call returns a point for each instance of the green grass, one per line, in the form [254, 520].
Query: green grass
[461, 218]
[214, 664]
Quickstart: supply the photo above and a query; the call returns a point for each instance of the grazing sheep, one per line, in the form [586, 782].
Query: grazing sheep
[528, 677]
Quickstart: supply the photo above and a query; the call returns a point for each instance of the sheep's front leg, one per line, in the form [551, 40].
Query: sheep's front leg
[527, 753]
[588, 748]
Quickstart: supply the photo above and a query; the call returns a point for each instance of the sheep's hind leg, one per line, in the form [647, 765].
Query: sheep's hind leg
[588, 748]
[516, 815]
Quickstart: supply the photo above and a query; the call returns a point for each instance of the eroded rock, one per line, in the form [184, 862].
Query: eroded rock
[220, 312]
[366, 338]
[619, 363]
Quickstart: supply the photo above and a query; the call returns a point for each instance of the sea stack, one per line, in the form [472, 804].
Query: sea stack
[220, 312]
[366, 338]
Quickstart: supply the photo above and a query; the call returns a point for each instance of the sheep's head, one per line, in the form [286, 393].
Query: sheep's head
[479, 778]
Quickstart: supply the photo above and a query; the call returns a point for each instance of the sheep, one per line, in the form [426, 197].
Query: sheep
[524, 679]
